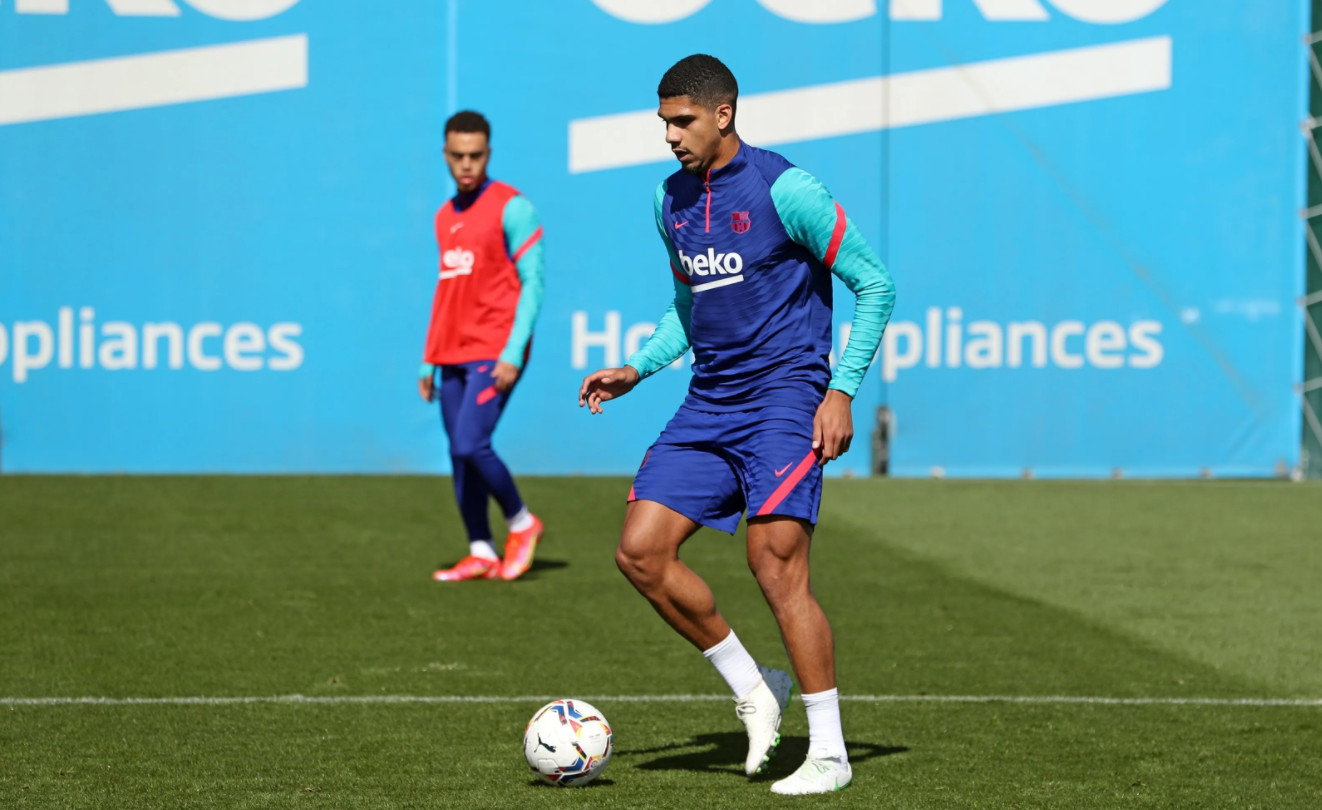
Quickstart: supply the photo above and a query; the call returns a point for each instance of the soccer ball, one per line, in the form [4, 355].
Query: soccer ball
[568, 743]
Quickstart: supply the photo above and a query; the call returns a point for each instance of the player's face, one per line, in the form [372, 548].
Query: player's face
[467, 154]
[693, 131]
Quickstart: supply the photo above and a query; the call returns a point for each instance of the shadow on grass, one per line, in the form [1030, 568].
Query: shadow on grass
[725, 752]
[595, 783]
[542, 566]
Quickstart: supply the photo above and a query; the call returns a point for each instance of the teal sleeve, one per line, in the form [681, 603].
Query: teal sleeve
[523, 238]
[814, 219]
[670, 339]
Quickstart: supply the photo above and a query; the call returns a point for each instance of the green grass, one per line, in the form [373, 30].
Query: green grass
[169, 587]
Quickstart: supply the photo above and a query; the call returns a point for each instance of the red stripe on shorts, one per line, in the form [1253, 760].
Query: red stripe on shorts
[788, 484]
[646, 456]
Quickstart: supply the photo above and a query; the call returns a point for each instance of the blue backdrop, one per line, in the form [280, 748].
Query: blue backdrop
[216, 249]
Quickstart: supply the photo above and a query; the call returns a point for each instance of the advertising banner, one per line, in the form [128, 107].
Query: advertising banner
[216, 247]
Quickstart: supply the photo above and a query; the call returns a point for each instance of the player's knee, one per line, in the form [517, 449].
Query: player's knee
[765, 561]
[634, 561]
[768, 573]
[463, 452]
[777, 575]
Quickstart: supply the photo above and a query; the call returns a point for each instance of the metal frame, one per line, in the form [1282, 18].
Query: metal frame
[1310, 390]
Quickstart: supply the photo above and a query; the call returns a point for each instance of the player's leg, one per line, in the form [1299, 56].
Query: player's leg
[678, 488]
[648, 556]
[778, 553]
[778, 466]
[778, 557]
[470, 492]
[480, 409]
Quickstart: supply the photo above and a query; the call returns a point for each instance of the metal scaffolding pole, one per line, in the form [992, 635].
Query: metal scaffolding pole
[1310, 390]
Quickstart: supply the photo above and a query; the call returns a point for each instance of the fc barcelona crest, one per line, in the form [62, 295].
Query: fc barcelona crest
[739, 222]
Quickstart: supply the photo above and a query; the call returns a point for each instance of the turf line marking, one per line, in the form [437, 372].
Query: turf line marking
[403, 699]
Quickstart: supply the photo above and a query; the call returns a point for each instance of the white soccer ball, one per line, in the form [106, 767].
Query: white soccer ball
[568, 743]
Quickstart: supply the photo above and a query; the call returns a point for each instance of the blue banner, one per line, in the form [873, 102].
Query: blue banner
[216, 251]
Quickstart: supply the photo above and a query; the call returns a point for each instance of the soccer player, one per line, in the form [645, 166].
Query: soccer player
[487, 298]
[753, 243]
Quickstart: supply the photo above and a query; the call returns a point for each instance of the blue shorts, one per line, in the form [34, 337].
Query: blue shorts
[711, 467]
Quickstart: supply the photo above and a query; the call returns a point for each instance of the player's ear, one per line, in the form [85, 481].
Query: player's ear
[724, 116]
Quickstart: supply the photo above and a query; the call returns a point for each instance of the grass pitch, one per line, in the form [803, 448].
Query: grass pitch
[236, 588]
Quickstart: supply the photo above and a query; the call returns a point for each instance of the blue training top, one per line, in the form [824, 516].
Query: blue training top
[752, 248]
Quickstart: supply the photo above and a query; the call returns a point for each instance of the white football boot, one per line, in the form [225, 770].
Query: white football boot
[824, 775]
[760, 711]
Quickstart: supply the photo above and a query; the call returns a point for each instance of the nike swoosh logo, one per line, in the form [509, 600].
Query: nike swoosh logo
[679, 225]
[782, 470]
[456, 226]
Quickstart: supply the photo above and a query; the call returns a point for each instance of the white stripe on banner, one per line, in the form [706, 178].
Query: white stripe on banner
[901, 100]
[607, 699]
[153, 80]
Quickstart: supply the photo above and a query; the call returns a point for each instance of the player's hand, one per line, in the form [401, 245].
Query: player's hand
[609, 383]
[505, 375]
[426, 388]
[833, 426]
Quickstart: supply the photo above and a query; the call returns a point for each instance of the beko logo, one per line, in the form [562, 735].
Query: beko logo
[160, 78]
[729, 266]
[712, 263]
[945, 92]
[456, 262]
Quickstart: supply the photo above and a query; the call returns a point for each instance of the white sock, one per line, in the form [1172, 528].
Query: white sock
[522, 520]
[484, 549]
[825, 737]
[736, 666]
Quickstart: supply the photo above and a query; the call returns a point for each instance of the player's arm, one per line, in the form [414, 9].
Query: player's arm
[427, 382]
[427, 371]
[669, 341]
[523, 236]
[815, 220]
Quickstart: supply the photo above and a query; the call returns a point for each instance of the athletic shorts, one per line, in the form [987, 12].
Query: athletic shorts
[712, 467]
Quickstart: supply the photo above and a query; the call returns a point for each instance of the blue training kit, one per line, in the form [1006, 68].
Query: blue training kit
[752, 247]
[470, 408]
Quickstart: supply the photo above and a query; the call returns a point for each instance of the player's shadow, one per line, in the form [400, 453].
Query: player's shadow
[540, 567]
[724, 752]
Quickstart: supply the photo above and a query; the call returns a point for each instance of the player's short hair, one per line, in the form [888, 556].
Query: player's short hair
[704, 79]
[468, 121]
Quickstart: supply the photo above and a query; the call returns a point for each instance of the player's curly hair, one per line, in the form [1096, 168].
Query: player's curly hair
[468, 121]
[704, 79]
